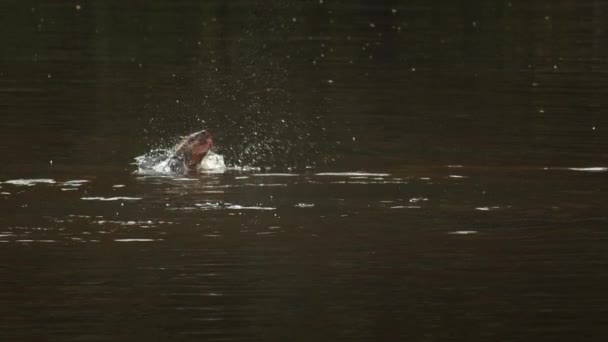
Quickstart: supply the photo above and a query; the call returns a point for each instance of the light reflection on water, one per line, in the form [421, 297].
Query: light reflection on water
[203, 203]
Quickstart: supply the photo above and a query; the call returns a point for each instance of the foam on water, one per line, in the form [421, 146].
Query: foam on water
[212, 162]
[157, 162]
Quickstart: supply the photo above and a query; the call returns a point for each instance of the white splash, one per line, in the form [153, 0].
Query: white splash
[213, 163]
[157, 161]
[463, 232]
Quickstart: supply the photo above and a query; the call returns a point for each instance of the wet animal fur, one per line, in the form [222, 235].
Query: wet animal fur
[189, 153]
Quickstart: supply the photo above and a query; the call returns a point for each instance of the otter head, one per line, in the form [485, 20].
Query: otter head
[194, 148]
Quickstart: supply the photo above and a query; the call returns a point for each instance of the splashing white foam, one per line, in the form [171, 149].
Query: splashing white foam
[212, 162]
[157, 162]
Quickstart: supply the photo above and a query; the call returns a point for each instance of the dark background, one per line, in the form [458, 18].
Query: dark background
[289, 83]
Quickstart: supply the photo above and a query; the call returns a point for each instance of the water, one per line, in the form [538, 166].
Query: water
[395, 171]
[158, 161]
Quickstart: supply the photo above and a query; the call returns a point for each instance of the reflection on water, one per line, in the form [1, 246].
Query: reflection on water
[395, 171]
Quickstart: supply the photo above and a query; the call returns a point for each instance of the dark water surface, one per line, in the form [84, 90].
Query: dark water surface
[418, 171]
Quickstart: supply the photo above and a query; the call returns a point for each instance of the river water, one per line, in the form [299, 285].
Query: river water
[397, 171]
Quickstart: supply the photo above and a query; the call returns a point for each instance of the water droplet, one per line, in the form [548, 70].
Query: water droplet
[394, 10]
[78, 7]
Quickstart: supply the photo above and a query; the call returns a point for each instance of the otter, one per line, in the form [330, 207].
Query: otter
[189, 153]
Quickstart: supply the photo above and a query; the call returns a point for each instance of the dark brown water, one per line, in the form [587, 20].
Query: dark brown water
[422, 172]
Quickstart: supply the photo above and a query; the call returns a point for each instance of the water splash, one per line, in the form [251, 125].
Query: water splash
[157, 162]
